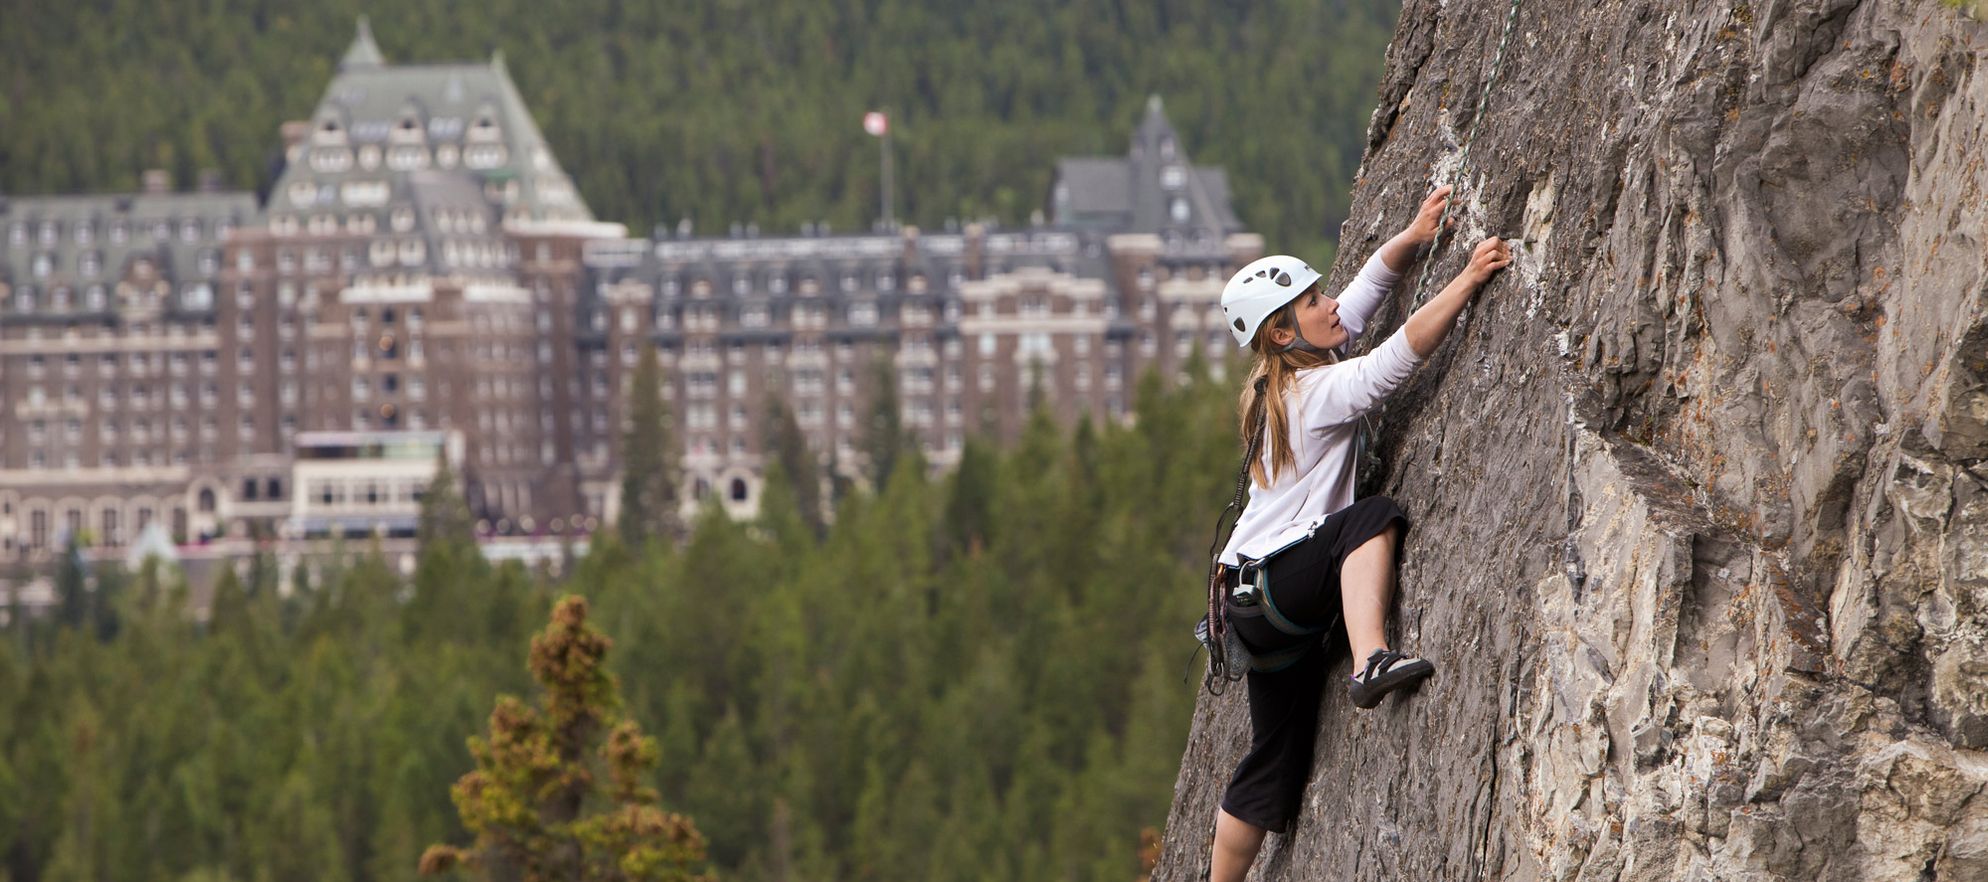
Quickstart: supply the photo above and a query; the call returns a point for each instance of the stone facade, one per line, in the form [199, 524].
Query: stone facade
[424, 263]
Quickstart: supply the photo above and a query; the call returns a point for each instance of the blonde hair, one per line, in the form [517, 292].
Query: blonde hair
[1275, 373]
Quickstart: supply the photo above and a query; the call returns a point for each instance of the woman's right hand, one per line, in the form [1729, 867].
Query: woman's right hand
[1490, 256]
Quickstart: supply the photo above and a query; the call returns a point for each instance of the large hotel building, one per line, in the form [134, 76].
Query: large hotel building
[425, 278]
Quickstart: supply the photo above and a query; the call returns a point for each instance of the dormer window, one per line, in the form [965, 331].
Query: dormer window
[484, 156]
[369, 157]
[1173, 177]
[402, 219]
[49, 233]
[119, 232]
[364, 193]
[407, 131]
[1177, 208]
[331, 159]
[447, 155]
[90, 264]
[407, 157]
[43, 264]
[848, 282]
[741, 283]
[86, 232]
[330, 132]
[886, 281]
[189, 230]
[483, 129]
[303, 194]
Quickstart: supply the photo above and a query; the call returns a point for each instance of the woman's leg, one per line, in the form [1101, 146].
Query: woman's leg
[1236, 844]
[1366, 585]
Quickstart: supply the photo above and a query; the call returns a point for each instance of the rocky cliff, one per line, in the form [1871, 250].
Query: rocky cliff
[1701, 484]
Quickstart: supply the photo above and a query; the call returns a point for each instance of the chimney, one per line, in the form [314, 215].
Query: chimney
[294, 132]
[157, 181]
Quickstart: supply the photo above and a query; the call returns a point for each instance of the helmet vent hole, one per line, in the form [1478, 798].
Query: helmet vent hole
[1284, 279]
[1239, 324]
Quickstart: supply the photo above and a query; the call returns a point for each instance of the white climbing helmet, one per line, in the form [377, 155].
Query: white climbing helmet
[1261, 288]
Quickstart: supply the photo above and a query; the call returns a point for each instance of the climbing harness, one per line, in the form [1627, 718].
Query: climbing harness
[1228, 658]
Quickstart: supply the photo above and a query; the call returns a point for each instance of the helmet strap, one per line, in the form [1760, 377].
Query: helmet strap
[1299, 343]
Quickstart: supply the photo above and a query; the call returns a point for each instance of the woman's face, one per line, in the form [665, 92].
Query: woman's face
[1318, 320]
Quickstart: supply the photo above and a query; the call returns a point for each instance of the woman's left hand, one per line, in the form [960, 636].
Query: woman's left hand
[1423, 230]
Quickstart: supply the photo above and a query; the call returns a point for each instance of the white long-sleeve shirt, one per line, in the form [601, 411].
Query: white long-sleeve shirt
[1324, 411]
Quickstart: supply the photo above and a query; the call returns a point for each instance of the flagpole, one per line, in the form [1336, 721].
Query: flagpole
[889, 222]
[877, 124]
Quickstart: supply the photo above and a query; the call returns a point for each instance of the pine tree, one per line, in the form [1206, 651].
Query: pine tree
[789, 447]
[74, 605]
[445, 516]
[648, 459]
[541, 768]
[884, 436]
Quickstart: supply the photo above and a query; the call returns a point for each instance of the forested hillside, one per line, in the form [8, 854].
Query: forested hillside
[979, 677]
[731, 111]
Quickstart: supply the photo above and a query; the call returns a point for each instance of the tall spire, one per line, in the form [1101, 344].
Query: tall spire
[364, 52]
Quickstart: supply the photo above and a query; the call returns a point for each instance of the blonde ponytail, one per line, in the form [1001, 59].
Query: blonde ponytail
[1278, 371]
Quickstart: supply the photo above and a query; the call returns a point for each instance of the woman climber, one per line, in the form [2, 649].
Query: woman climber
[1303, 551]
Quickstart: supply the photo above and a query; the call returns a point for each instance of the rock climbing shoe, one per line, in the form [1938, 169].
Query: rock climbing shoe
[1385, 672]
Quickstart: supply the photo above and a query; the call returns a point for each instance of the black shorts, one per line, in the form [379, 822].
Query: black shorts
[1283, 704]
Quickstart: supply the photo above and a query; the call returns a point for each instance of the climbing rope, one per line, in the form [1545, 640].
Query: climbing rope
[1364, 458]
[1463, 161]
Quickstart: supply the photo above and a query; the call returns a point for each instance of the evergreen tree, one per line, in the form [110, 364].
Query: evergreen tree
[445, 517]
[541, 768]
[788, 446]
[884, 437]
[74, 606]
[648, 459]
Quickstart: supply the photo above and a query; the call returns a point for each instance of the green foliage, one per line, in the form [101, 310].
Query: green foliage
[885, 439]
[649, 463]
[970, 678]
[726, 113]
[539, 803]
[445, 517]
[798, 463]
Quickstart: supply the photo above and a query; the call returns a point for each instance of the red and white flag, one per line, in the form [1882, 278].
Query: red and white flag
[875, 123]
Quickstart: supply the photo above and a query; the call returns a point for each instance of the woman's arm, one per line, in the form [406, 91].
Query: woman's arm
[1400, 251]
[1341, 393]
[1430, 324]
[1377, 277]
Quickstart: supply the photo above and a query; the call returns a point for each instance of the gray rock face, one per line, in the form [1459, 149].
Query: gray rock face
[1701, 483]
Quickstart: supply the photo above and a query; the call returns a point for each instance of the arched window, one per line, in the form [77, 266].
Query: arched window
[206, 503]
[738, 490]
